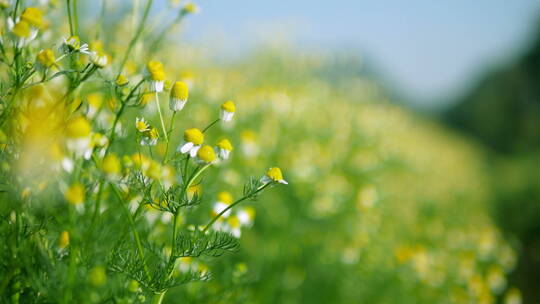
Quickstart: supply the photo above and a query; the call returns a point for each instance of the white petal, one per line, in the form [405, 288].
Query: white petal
[186, 147]
[193, 151]
[282, 181]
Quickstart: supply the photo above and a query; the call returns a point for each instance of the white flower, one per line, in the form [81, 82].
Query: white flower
[193, 141]
[227, 111]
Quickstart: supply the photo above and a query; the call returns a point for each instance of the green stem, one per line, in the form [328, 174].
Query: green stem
[75, 17]
[133, 228]
[210, 125]
[136, 37]
[158, 297]
[161, 118]
[234, 204]
[170, 131]
[70, 18]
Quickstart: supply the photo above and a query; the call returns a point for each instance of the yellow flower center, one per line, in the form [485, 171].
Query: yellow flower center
[225, 197]
[33, 15]
[111, 164]
[155, 68]
[152, 133]
[225, 144]
[46, 57]
[121, 80]
[141, 126]
[75, 194]
[233, 221]
[22, 29]
[228, 106]
[63, 240]
[179, 90]
[78, 127]
[274, 174]
[95, 100]
[206, 154]
[74, 42]
[194, 136]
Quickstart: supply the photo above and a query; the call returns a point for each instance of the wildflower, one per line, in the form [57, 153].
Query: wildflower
[146, 97]
[121, 80]
[157, 75]
[179, 96]
[193, 141]
[23, 31]
[224, 148]
[34, 17]
[78, 134]
[63, 240]
[194, 190]
[227, 111]
[99, 58]
[190, 8]
[111, 165]
[75, 194]
[234, 226]
[73, 44]
[206, 154]
[141, 125]
[94, 103]
[246, 216]
[150, 137]
[46, 58]
[273, 175]
[224, 199]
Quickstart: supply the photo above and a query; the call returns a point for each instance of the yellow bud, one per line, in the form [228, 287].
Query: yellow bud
[225, 144]
[155, 68]
[228, 106]
[33, 15]
[233, 221]
[194, 135]
[179, 90]
[46, 58]
[78, 127]
[206, 154]
[22, 29]
[274, 174]
[121, 80]
[75, 194]
[111, 164]
[63, 240]
[225, 197]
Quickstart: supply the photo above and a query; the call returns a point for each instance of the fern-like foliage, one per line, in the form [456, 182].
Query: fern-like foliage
[213, 243]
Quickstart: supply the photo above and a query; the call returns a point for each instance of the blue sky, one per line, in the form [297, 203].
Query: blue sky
[431, 49]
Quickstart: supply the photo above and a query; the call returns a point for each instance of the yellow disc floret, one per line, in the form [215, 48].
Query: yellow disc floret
[155, 68]
[225, 197]
[46, 57]
[78, 127]
[228, 106]
[111, 164]
[274, 174]
[63, 240]
[206, 154]
[194, 136]
[121, 80]
[225, 144]
[33, 15]
[180, 90]
[75, 194]
[22, 29]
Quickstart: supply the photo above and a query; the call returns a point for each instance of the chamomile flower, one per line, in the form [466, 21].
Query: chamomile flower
[227, 111]
[46, 58]
[224, 200]
[150, 137]
[193, 140]
[121, 80]
[34, 17]
[111, 166]
[246, 216]
[234, 226]
[157, 75]
[141, 125]
[63, 239]
[99, 58]
[73, 44]
[190, 8]
[95, 100]
[179, 96]
[75, 194]
[22, 31]
[224, 148]
[206, 154]
[78, 136]
[273, 175]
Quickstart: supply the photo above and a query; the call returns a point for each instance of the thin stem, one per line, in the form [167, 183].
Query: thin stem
[137, 35]
[210, 125]
[75, 17]
[170, 131]
[133, 228]
[71, 31]
[161, 118]
[234, 204]
[158, 298]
